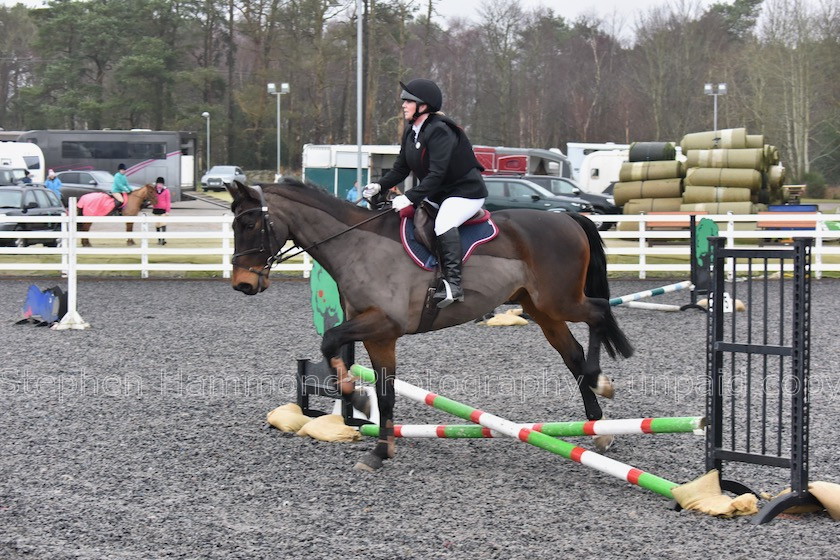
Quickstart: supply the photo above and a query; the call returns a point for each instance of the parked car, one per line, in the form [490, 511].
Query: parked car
[78, 183]
[7, 176]
[29, 200]
[506, 192]
[222, 176]
[603, 203]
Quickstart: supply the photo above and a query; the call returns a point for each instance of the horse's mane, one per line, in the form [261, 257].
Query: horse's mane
[311, 188]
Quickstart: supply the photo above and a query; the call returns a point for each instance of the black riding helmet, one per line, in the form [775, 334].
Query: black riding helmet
[422, 91]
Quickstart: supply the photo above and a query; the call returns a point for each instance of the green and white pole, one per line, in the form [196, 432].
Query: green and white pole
[554, 429]
[684, 285]
[511, 429]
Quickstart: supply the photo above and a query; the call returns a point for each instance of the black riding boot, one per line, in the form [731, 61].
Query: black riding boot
[161, 241]
[449, 251]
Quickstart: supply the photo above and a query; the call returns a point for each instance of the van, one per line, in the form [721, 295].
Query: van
[24, 155]
[599, 169]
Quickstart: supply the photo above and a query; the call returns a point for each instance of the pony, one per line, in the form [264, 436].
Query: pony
[553, 264]
[104, 204]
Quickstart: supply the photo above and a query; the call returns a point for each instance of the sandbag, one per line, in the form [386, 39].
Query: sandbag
[720, 207]
[639, 205]
[330, 427]
[727, 138]
[287, 418]
[747, 158]
[723, 177]
[755, 141]
[705, 495]
[659, 188]
[694, 194]
[651, 151]
[650, 170]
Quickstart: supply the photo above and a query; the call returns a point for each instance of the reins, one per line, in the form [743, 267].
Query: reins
[267, 234]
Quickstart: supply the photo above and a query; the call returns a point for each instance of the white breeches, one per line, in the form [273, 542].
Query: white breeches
[454, 211]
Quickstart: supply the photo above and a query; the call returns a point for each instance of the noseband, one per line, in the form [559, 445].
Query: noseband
[267, 241]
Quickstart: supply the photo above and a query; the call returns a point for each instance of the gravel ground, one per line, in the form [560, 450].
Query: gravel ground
[145, 437]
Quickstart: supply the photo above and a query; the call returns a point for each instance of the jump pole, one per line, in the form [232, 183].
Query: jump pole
[558, 446]
[554, 429]
[684, 285]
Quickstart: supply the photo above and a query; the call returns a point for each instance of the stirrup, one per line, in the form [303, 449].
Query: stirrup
[446, 295]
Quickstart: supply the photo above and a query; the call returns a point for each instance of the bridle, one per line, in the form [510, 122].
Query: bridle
[268, 241]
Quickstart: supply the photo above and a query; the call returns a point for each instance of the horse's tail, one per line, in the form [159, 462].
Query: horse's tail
[597, 286]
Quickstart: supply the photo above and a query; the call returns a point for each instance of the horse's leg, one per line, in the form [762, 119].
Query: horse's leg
[383, 357]
[129, 227]
[590, 382]
[379, 335]
[84, 227]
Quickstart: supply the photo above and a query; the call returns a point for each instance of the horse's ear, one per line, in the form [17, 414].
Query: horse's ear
[239, 190]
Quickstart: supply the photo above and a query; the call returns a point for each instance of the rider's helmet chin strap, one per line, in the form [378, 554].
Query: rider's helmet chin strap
[417, 113]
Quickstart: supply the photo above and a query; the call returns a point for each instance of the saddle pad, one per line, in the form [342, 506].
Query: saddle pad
[97, 204]
[473, 234]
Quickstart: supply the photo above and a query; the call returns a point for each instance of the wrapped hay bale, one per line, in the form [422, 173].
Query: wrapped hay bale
[775, 176]
[723, 177]
[651, 151]
[659, 188]
[694, 194]
[650, 170]
[746, 158]
[639, 205]
[720, 207]
[727, 138]
[771, 155]
[755, 141]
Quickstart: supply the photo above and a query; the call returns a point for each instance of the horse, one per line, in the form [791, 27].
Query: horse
[104, 204]
[553, 264]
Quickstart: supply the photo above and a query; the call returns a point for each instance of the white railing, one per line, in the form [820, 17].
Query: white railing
[208, 238]
[660, 243]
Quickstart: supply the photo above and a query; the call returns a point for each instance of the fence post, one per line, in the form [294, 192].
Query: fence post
[144, 246]
[642, 246]
[226, 235]
[72, 319]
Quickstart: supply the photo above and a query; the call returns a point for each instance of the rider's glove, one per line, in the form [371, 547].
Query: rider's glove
[400, 202]
[371, 189]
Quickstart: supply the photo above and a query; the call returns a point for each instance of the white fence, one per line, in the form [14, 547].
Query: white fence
[209, 239]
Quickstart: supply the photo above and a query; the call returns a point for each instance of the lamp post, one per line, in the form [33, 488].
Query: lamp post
[272, 89]
[206, 115]
[709, 89]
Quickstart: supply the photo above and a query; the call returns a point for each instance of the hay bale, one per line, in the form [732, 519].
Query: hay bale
[694, 194]
[651, 151]
[639, 205]
[727, 138]
[714, 177]
[659, 188]
[650, 170]
[747, 158]
[720, 207]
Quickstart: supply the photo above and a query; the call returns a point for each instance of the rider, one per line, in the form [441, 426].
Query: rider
[120, 185]
[441, 157]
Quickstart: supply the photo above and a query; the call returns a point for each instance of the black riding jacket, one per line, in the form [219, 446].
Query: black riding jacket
[441, 158]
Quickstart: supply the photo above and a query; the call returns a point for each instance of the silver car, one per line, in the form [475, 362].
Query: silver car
[221, 176]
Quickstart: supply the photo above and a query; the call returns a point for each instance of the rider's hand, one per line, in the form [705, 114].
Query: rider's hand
[371, 189]
[400, 202]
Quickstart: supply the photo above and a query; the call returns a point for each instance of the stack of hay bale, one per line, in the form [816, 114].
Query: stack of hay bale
[730, 171]
[650, 181]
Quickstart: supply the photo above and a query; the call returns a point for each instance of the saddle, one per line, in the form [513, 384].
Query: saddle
[417, 232]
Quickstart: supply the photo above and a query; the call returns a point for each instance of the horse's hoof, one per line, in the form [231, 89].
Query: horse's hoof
[603, 443]
[360, 401]
[368, 463]
[604, 387]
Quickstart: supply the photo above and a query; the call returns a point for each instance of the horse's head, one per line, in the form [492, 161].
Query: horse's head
[256, 239]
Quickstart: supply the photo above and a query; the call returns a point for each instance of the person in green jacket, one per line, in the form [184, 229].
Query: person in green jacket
[120, 184]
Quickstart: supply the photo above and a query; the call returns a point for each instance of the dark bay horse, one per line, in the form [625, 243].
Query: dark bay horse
[102, 204]
[552, 264]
